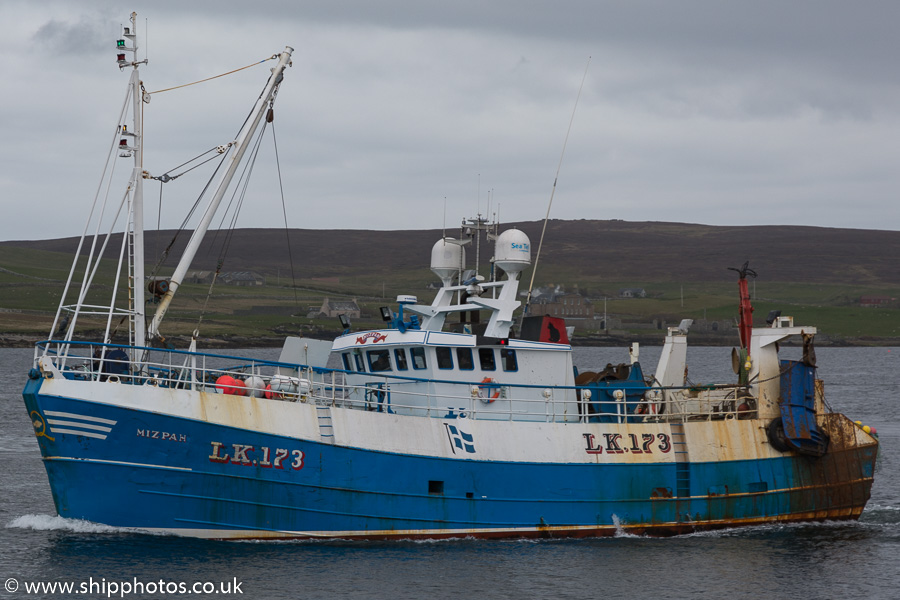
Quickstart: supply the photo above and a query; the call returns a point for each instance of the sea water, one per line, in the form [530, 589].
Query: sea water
[811, 561]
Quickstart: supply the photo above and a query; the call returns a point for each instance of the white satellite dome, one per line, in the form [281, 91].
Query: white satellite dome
[512, 252]
[447, 256]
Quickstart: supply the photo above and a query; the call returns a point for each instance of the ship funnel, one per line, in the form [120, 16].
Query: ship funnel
[512, 252]
[447, 258]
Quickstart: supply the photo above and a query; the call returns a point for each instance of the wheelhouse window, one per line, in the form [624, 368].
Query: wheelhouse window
[508, 359]
[418, 358]
[444, 357]
[400, 359]
[379, 360]
[358, 359]
[464, 359]
[486, 358]
[345, 358]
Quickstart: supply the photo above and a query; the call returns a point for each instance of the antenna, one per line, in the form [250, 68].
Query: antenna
[553, 190]
[490, 199]
[478, 196]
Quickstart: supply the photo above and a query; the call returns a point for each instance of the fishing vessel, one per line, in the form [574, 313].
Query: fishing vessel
[459, 417]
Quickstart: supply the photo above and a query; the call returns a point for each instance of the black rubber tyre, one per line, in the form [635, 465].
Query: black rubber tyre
[775, 431]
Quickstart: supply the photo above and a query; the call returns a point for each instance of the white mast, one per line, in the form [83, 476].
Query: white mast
[240, 146]
[136, 285]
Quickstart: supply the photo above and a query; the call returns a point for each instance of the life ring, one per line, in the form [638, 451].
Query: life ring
[651, 404]
[484, 390]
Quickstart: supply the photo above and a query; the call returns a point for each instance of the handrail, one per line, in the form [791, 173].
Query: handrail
[391, 375]
[319, 385]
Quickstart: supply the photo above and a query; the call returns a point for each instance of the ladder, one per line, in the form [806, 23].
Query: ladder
[326, 431]
[682, 462]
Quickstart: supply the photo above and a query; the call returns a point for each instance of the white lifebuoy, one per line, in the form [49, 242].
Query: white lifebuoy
[651, 405]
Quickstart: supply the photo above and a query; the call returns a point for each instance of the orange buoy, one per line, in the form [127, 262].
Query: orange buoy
[226, 384]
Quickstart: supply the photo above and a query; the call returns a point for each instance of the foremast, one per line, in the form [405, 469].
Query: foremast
[135, 229]
[238, 147]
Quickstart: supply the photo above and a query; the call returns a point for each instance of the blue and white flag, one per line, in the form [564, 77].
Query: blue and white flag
[460, 439]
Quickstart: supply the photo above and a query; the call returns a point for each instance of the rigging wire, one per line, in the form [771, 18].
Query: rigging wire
[242, 183]
[197, 203]
[209, 182]
[184, 222]
[274, 56]
[104, 182]
[223, 150]
[166, 178]
[158, 222]
[287, 234]
[242, 186]
[183, 226]
[553, 190]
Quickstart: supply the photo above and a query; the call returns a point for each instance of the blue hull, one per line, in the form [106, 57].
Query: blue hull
[160, 472]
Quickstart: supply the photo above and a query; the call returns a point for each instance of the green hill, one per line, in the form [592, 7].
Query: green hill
[816, 274]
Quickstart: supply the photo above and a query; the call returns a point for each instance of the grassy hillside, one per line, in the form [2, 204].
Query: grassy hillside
[815, 274]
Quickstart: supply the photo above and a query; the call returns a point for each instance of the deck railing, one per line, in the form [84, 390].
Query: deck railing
[392, 393]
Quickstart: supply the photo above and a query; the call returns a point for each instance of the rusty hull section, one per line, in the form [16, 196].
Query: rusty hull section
[835, 486]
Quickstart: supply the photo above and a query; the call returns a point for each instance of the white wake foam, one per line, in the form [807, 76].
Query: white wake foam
[57, 523]
[876, 507]
[620, 530]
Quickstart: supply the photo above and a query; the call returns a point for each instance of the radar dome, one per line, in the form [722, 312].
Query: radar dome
[447, 257]
[512, 252]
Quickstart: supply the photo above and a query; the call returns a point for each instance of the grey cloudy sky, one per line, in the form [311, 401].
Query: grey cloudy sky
[725, 113]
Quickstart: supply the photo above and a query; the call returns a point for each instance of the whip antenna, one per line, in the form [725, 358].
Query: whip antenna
[553, 190]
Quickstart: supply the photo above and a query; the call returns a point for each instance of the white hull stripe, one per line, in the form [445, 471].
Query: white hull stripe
[78, 425]
[89, 434]
[118, 462]
[68, 415]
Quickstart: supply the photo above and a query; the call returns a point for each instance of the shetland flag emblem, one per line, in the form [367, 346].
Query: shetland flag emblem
[460, 439]
[74, 424]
